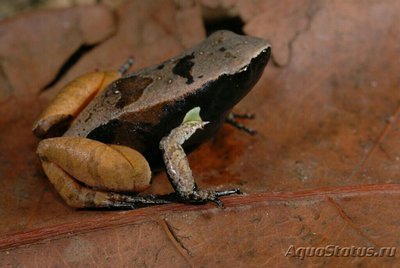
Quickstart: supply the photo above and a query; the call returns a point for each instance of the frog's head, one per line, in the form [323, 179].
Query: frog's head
[225, 67]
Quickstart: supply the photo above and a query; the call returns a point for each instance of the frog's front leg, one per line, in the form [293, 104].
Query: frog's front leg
[83, 171]
[231, 119]
[178, 168]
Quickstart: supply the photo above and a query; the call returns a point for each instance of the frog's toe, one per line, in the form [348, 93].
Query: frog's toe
[243, 115]
[204, 196]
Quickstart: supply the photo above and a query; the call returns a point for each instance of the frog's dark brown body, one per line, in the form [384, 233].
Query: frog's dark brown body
[139, 109]
[95, 164]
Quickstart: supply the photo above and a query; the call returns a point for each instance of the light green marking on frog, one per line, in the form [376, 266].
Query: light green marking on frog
[192, 115]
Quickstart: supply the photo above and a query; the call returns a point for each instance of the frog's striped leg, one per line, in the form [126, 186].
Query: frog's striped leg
[83, 171]
[231, 119]
[178, 168]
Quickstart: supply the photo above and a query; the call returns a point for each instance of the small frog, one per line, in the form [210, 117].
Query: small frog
[118, 127]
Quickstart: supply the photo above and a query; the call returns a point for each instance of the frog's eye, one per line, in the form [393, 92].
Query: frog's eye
[192, 115]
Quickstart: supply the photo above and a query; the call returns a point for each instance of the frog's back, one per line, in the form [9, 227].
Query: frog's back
[139, 109]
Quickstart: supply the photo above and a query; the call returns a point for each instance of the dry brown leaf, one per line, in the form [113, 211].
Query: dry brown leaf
[323, 169]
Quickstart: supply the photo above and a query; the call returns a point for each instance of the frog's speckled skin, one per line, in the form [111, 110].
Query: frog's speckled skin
[139, 109]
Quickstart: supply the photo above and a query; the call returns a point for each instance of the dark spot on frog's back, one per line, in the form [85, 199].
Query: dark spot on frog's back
[229, 55]
[130, 89]
[183, 68]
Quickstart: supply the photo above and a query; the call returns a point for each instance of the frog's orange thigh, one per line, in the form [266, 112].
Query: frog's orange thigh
[97, 165]
[71, 100]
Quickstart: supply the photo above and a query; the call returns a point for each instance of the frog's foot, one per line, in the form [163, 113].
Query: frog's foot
[231, 119]
[124, 201]
[177, 164]
[84, 172]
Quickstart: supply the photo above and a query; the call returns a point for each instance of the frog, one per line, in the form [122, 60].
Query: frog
[106, 132]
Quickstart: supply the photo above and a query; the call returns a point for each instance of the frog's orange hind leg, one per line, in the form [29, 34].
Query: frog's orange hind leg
[78, 196]
[70, 101]
[82, 170]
